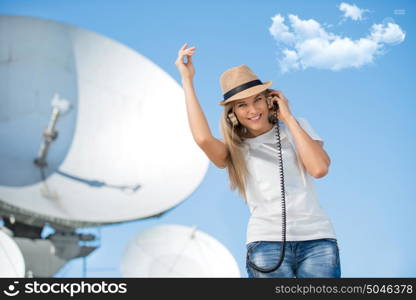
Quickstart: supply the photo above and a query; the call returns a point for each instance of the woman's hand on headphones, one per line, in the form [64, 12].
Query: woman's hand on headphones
[284, 111]
[187, 69]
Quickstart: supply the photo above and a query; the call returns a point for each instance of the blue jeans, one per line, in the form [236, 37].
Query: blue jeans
[303, 259]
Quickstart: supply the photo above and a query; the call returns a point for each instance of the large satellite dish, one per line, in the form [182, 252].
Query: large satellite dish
[106, 126]
[12, 263]
[177, 251]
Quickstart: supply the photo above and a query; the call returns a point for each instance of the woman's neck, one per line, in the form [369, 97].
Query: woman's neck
[252, 134]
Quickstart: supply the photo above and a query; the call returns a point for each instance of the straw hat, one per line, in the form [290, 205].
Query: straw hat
[240, 82]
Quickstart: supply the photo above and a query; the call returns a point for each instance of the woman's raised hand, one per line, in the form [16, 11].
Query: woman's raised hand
[187, 69]
[284, 112]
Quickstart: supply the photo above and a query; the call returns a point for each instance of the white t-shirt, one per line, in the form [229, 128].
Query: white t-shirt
[305, 219]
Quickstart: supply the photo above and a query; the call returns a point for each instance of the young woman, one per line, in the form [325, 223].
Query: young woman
[254, 119]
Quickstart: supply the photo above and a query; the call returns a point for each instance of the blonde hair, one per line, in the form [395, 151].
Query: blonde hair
[234, 140]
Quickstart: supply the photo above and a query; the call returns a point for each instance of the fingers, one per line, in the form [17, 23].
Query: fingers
[189, 51]
[276, 93]
[183, 48]
[183, 51]
[188, 54]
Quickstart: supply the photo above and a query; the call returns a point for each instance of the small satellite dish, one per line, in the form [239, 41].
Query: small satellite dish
[177, 251]
[91, 131]
[12, 263]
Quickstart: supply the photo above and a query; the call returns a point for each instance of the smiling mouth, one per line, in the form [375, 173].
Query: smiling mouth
[256, 118]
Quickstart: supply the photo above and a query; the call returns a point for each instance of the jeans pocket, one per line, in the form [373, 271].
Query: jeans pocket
[264, 254]
[252, 245]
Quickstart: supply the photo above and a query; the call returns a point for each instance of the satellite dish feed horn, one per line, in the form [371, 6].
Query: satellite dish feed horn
[59, 106]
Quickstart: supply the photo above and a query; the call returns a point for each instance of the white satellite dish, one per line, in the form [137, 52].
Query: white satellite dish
[109, 123]
[12, 263]
[177, 251]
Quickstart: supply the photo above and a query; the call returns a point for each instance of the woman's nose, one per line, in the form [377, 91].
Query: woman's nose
[251, 109]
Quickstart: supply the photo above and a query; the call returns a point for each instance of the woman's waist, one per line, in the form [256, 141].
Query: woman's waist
[300, 206]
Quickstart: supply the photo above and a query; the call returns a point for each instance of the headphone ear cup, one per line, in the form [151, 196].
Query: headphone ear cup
[272, 117]
[272, 113]
[233, 119]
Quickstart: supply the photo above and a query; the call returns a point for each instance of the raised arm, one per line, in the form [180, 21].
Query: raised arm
[214, 148]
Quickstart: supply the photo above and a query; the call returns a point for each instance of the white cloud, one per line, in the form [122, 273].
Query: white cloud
[280, 31]
[290, 60]
[352, 11]
[307, 29]
[390, 34]
[306, 44]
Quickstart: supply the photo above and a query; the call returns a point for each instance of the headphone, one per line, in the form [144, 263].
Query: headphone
[232, 118]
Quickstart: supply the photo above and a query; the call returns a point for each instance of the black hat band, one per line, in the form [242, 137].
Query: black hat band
[242, 87]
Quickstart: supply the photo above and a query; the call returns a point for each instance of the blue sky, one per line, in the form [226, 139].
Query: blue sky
[363, 110]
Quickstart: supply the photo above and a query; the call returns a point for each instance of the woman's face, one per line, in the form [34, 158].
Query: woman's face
[252, 112]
